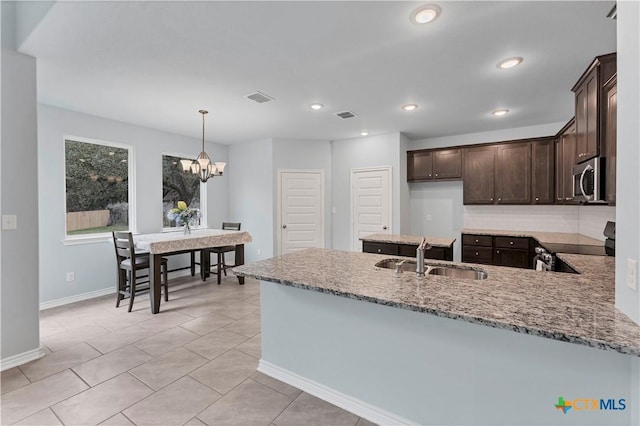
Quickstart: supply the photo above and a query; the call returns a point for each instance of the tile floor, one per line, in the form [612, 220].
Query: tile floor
[192, 364]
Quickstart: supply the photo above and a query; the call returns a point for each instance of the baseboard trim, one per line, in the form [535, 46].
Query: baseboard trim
[23, 358]
[98, 293]
[349, 403]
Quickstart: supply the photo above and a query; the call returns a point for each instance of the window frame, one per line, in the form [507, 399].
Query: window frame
[131, 190]
[203, 195]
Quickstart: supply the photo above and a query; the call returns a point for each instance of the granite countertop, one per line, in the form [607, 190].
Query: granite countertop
[574, 308]
[408, 239]
[542, 237]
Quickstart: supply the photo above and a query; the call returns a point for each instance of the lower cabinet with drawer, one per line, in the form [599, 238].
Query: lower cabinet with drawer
[515, 252]
[408, 250]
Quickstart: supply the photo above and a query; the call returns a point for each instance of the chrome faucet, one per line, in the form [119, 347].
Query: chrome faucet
[399, 266]
[420, 256]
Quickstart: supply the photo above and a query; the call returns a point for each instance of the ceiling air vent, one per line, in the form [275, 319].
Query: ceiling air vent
[260, 97]
[345, 114]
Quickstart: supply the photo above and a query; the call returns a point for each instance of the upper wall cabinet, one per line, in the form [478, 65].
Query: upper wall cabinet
[434, 164]
[565, 157]
[590, 107]
[479, 175]
[543, 171]
[513, 173]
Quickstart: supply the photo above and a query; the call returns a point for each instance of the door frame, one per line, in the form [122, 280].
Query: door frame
[352, 203]
[280, 173]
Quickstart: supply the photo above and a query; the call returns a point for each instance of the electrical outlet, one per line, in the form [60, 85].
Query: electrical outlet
[333, 210]
[259, 252]
[428, 218]
[9, 221]
[632, 274]
[71, 276]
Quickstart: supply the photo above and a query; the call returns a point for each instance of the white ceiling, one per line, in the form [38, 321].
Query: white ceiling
[156, 64]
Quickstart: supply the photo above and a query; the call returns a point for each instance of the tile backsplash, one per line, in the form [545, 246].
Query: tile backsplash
[586, 220]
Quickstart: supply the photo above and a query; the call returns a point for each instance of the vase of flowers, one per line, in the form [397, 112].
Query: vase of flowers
[184, 215]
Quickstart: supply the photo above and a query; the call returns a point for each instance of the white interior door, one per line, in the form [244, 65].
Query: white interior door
[301, 210]
[370, 203]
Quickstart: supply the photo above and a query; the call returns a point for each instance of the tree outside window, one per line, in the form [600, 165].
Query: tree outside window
[178, 186]
[97, 188]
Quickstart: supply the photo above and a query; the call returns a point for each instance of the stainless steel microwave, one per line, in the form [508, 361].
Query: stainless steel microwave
[588, 181]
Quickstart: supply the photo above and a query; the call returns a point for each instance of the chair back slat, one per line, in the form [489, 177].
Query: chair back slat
[125, 248]
[231, 226]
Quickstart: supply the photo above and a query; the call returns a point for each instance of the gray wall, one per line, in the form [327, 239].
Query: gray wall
[252, 195]
[19, 189]
[373, 151]
[94, 263]
[304, 154]
[628, 177]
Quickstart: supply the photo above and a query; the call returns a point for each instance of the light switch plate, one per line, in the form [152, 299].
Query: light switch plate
[9, 221]
[632, 274]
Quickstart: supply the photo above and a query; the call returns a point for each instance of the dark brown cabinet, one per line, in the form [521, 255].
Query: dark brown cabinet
[590, 109]
[513, 174]
[515, 252]
[611, 103]
[512, 251]
[543, 171]
[565, 157]
[425, 165]
[479, 175]
[407, 250]
[498, 174]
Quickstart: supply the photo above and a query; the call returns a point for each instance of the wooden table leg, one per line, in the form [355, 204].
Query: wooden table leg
[205, 264]
[240, 260]
[155, 262]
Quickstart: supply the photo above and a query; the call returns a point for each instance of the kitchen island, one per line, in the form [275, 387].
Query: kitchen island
[396, 348]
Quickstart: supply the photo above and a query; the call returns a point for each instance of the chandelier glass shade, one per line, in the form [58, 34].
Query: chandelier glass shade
[202, 166]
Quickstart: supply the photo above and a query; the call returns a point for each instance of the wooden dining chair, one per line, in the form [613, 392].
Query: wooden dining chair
[129, 262]
[221, 266]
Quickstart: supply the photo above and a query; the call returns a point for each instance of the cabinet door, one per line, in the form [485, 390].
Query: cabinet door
[479, 175]
[511, 258]
[559, 172]
[568, 156]
[472, 254]
[513, 174]
[447, 164]
[587, 118]
[543, 170]
[380, 248]
[611, 132]
[419, 166]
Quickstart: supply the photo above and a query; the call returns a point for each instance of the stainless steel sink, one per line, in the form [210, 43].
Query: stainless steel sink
[469, 274]
[407, 265]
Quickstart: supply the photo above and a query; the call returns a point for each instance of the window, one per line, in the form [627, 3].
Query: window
[178, 186]
[97, 187]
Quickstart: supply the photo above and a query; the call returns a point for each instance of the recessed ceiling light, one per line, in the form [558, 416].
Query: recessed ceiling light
[425, 14]
[316, 106]
[510, 62]
[364, 133]
[500, 112]
[410, 107]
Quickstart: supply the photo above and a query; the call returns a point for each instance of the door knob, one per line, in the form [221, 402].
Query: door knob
[384, 227]
[284, 226]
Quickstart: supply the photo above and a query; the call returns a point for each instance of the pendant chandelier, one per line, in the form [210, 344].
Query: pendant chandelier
[202, 166]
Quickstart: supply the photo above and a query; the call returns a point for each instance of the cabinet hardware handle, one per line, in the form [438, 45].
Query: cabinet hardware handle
[537, 199]
[497, 251]
[511, 242]
[436, 175]
[477, 241]
[429, 174]
[559, 198]
[379, 250]
[491, 199]
[499, 199]
[569, 198]
[476, 253]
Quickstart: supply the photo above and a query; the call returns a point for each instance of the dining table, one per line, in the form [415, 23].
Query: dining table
[168, 243]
